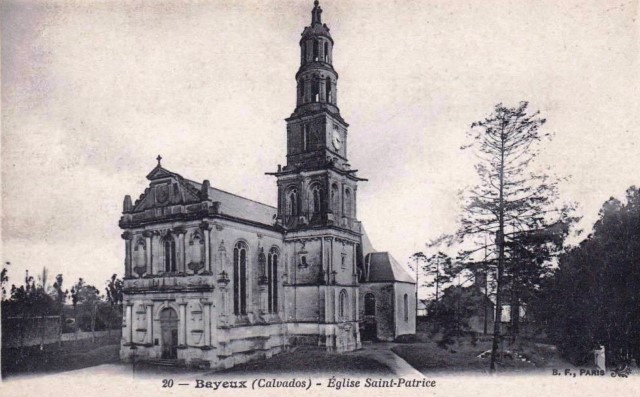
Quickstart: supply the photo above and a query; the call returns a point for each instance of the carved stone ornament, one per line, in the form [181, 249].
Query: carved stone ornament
[162, 193]
[140, 270]
[195, 266]
[223, 279]
[127, 235]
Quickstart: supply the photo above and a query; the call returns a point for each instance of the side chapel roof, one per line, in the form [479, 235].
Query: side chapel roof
[382, 267]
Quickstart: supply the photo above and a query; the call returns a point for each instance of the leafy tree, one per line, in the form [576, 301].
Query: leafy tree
[511, 204]
[60, 297]
[29, 301]
[114, 296]
[4, 279]
[593, 297]
[452, 313]
[114, 290]
[88, 298]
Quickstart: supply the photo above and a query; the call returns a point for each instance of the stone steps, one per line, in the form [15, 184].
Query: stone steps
[165, 362]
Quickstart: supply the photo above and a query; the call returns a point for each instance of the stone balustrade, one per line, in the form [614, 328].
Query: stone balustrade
[163, 283]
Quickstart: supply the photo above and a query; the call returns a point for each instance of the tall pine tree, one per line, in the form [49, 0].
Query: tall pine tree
[510, 216]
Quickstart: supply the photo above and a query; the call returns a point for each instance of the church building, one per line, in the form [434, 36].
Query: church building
[214, 279]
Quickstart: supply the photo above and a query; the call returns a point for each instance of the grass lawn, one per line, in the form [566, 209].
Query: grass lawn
[428, 357]
[310, 360]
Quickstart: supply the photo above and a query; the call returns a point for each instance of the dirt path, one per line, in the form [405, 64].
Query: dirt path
[382, 353]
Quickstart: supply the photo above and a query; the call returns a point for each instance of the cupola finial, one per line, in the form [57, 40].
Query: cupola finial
[159, 158]
[316, 13]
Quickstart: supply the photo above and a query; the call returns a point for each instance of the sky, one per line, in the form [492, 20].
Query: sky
[93, 91]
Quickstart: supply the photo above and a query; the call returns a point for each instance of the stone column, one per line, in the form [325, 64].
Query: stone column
[207, 245]
[206, 316]
[331, 279]
[322, 257]
[357, 305]
[181, 255]
[353, 204]
[128, 323]
[224, 305]
[127, 236]
[149, 314]
[353, 262]
[321, 50]
[323, 97]
[307, 91]
[309, 44]
[147, 235]
[182, 325]
[334, 90]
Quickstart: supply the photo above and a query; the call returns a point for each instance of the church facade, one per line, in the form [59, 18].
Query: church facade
[215, 279]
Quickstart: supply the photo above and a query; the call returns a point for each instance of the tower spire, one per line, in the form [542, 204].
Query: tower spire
[316, 13]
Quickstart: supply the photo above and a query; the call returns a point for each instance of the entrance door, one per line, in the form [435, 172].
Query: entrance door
[169, 327]
[369, 328]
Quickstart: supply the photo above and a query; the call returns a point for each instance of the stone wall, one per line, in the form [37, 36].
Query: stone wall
[405, 315]
[390, 320]
[384, 313]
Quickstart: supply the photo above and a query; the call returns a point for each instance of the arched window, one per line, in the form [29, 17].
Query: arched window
[169, 254]
[347, 203]
[315, 204]
[240, 278]
[303, 46]
[315, 89]
[406, 307]
[316, 49]
[369, 304]
[272, 273]
[335, 198]
[292, 203]
[327, 89]
[326, 51]
[305, 137]
[343, 303]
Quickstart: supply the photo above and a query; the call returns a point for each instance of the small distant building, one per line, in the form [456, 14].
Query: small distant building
[387, 298]
[422, 309]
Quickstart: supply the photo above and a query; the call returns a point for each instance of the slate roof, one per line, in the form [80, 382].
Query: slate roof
[240, 207]
[367, 247]
[382, 267]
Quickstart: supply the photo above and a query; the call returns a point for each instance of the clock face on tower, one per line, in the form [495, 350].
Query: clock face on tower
[337, 139]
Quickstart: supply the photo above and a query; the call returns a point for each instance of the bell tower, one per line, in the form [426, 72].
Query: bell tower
[317, 186]
[317, 192]
[315, 130]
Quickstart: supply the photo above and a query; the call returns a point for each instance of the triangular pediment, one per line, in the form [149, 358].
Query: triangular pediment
[159, 173]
